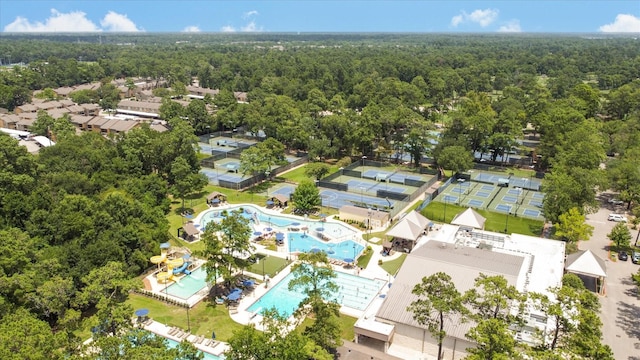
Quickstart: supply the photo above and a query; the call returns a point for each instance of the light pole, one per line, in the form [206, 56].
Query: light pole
[363, 168]
[341, 171]
[460, 181]
[370, 212]
[188, 319]
[354, 253]
[362, 195]
[267, 173]
[444, 218]
[506, 223]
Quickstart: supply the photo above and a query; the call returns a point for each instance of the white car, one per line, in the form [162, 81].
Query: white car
[616, 202]
[617, 218]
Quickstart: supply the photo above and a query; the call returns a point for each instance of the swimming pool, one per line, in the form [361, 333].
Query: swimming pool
[354, 292]
[333, 229]
[188, 285]
[348, 249]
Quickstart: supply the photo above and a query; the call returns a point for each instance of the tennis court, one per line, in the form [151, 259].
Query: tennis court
[513, 181]
[475, 203]
[371, 187]
[519, 202]
[513, 200]
[214, 175]
[395, 177]
[224, 144]
[510, 199]
[531, 213]
[336, 199]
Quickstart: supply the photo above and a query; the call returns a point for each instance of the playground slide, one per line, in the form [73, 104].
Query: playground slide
[182, 269]
[165, 277]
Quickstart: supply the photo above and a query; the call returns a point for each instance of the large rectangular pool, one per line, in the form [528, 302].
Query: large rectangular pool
[354, 292]
[188, 285]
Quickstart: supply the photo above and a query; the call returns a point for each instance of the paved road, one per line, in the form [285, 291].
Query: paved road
[620, 311]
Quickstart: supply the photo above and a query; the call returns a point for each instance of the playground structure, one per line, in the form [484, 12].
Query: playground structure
[172, 266]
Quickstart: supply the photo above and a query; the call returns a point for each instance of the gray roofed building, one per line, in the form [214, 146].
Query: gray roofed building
[464, 265]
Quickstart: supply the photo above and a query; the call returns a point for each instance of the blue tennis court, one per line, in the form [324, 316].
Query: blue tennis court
[529, 212]
[231, 166]
[483, 194]
[285, 190]
[458, 190]
[210, 174]
[463, 184]
[510, 199]
[374, 174]
[525, 183]
[337, 199]
[488, 187]
[535, 203]
[486, 177]
[449, 198]
[355, 185]
[514, 191]
[475, 203]
[503, 207]
[538, 195]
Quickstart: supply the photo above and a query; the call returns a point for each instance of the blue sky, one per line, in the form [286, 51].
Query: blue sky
[547, 16]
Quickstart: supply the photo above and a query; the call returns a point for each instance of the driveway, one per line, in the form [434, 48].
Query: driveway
[620, 312]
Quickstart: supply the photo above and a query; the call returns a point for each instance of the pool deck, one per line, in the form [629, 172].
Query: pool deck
[200, 342]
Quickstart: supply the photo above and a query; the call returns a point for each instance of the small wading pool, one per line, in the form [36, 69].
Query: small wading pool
[188, 285]
[353, 291]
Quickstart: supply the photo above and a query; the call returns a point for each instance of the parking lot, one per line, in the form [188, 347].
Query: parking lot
[620, 312]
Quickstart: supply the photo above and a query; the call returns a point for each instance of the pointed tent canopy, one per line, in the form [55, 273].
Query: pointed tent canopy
[410, 227]
[587, 263]
[469, 218]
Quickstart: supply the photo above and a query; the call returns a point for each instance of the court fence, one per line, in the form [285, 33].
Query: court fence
[252, 180]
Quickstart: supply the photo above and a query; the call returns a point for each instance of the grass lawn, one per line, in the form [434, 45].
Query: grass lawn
[296, 175]
[203, 318]
[346, 324]
[363, 260]
[392, 266]
[271, 265]
[495, 221]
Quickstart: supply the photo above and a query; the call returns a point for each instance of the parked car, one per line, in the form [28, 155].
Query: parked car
[617, 218]
[622, 255]
[635, 257]
[616, 201]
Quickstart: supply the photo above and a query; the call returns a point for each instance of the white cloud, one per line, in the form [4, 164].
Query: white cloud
[511, 26]
[228, 28]
[251, 27]
[623, 23]
[191, 28]
[74, 21]
[249, 14]
[58, 22]
[118, 22]
[483, 17]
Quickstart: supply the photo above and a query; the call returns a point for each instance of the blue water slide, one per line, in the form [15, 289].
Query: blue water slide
[182, 269]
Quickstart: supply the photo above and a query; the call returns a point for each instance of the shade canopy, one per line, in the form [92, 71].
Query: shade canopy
[315, 250]
[268, 229]
[320, 229]
[142, 312]
[257, 233]
[269, 202]
[234, 296]
[279, 236]
[249, 282]
[349, 260]
[165, 245]
[295, 223]
[469, 218]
